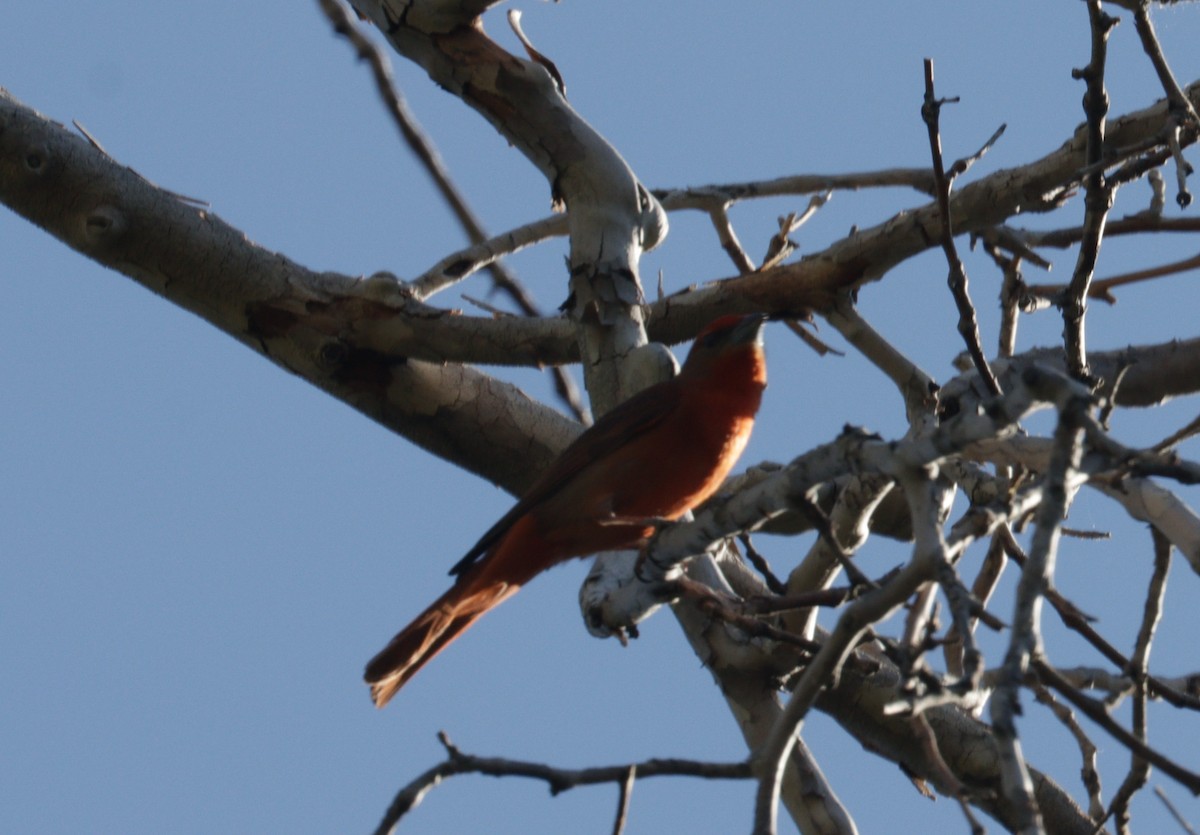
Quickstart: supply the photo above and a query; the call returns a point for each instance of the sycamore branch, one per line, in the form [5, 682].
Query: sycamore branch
[364, 341]
[378, 315]
[558, 780]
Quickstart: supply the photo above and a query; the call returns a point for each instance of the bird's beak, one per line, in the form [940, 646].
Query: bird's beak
[749, 330]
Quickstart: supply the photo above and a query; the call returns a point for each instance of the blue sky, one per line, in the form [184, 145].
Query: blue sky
[200, 552]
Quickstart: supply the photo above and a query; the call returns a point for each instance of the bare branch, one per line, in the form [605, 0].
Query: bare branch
[397, 326]
[1178, 101]
[761, 565]
[1139, 768]
[957, 641]
[558, 779]
[1097, 713]
[968, 324]
[1025, 642]
[1087, 748]
[921, 179]
[916, 387]
[823, 671]
[1135, 224]
[1102, 289]
[1098, 195]
[423, 148]
[623, 800]
[459, 265]
[374, 342]
[781, 246]
[1168, 690]
[854, 451]
[1166, 801]
[719, 214]
[1178, 437]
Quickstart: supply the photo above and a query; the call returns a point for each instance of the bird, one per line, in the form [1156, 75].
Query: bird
[652, 458]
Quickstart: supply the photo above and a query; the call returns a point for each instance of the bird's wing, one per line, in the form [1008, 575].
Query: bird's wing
[632, 418]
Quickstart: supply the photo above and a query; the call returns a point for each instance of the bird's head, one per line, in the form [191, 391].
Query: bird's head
[733, 340]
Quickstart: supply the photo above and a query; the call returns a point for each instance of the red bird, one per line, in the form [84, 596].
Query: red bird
[656, 456]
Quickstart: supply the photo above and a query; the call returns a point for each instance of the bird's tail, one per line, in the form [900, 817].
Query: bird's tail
[434, 629]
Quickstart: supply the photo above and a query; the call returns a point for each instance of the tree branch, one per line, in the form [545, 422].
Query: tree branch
[559, 780]
[968, 323]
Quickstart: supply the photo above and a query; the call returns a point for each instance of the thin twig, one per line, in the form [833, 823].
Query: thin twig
[1183, 168]
[464, 263]
[95, 143]
[761, 565]
[961, 166]
[623, 799]
[1179, 103]
[1166, 801]
[726, 609]
[499, 313]
[1097, 713]
[423, 148]
[1141, 462]
[832, 597]
[1087, 749]
[968, 324]
[921, 179]
[558, 779]
[1077, 621]
[1102, 288]
[1098, 195]
[985, 583]
[780, 246]
[965, 611]
[1145, 29]
[729, 240]
[916, 386]
[821, 524]
[1012, 289]
[810, 339]
[927, 739]
[1135, 224]
[1176, 438]
[1139, 768]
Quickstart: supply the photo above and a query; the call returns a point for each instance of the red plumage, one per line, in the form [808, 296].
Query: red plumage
[656, 456]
